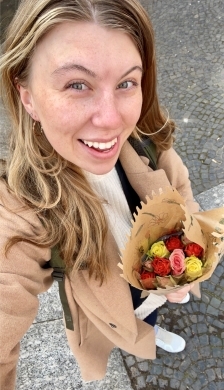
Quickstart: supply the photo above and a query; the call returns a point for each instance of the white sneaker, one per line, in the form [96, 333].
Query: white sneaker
[169, 341]
[186, 299]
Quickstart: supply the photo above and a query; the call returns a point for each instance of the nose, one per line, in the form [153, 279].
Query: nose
[107, 112]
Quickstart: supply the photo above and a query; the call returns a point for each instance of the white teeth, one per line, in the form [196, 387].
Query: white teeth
[88, 143]
[101, 145]
[95, 145]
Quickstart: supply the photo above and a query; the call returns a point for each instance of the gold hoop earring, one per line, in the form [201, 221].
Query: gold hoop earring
[156, 132]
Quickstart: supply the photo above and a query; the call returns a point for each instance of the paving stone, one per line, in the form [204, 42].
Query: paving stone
[201, 327]
[210, 363]
[156, 370]
[218, 372]
[203, 308]
[163, 383]
[188, 382]
[211, 310]
[178, 375]
[204, 339]
[141, 382]
[211, 374]
[134, 372]
[174, 384]
[205, 351]
[215, 341]
[218, 353]
[168, 372]
[130, 360]
[212, 386]
[195, 356]
[143, 366]
[151, 379]
[220, 385]
[201, 365]
[185, 364]
[199, 384]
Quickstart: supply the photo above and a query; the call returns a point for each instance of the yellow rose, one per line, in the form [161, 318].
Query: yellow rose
[158, 250]
[193, 268]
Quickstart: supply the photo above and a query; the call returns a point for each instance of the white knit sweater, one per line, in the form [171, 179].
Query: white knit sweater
[109, 188]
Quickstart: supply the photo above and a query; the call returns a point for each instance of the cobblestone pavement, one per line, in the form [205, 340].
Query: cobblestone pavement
[190, 38]
[200, 365]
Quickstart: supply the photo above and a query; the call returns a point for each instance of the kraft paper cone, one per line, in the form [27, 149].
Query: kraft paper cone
[162, 214]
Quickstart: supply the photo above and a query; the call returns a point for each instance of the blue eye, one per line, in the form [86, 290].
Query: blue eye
[127, 84]
[78, 86]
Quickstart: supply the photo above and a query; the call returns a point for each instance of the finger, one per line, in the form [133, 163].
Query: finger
[177, 296]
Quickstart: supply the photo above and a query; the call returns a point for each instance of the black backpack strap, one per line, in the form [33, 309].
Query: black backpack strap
[146, 148]
[58, 274]
[130, 194]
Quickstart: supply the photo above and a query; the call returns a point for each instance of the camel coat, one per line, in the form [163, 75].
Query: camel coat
[103, 316]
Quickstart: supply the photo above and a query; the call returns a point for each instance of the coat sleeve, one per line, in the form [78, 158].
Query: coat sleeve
[22, 278]
[178, 176]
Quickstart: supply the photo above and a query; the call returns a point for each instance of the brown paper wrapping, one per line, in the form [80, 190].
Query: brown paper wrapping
[162, 214]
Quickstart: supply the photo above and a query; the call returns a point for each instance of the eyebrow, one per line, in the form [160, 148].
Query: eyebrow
[70, 66]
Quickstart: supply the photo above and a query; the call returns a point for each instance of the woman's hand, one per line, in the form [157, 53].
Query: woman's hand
[178, 296]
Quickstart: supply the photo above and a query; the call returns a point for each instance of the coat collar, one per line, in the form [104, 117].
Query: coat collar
[142, 178]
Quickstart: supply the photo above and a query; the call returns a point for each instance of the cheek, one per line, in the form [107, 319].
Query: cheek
[134, 110]
[60, 118]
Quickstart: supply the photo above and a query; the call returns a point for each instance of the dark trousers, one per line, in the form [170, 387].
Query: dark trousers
[137, 301]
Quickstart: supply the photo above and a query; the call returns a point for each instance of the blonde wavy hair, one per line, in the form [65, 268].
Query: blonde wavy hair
[35, 172]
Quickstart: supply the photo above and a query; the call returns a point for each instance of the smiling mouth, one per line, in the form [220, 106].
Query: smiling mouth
[100, 146]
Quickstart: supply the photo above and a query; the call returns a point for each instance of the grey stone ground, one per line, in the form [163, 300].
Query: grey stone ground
[190, 38]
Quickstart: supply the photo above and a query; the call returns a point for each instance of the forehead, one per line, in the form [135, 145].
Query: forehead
[88, 42]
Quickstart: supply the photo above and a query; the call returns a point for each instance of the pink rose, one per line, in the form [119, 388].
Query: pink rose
[177, 261]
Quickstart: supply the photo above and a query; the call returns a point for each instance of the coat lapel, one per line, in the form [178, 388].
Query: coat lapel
[142, 178]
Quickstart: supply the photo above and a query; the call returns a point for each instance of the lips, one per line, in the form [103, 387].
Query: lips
[102, 146]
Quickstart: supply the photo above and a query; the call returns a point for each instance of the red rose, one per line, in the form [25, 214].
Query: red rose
[147, 274]
[193, 249]
[161, 266]
[173, 243]
[148, 280]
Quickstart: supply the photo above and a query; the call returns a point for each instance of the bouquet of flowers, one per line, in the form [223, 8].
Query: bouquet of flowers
[168, 247]
[171, 260]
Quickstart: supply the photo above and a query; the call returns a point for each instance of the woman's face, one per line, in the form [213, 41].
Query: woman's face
[85, 89]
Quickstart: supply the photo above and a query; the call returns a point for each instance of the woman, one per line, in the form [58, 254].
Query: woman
[79, 79]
